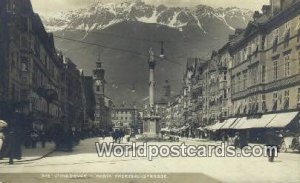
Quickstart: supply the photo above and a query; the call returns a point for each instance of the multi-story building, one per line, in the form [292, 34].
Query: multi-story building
[261, 65]
[213, 96]
[89, 100]
[30, 80]
[74, 103]
[225, 65]
[265, 72]
[38, 86]
[125, 118]
[175, 111]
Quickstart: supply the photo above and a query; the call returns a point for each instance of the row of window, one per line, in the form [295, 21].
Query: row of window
[122, 118]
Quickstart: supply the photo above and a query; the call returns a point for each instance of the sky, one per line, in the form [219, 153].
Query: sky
[52, 7]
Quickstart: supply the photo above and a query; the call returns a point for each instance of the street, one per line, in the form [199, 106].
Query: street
[84, 158]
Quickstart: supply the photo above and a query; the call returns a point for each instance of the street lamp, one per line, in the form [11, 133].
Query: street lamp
[162, 51]
[133, 88]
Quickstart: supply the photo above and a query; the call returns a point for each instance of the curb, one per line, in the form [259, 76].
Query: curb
[34, 159]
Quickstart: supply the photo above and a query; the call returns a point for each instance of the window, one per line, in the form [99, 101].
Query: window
[286, 34]
[263, 99]
[238, 82]
[233, 85]
[275, 44]
[225, 76]
[287, 69]
[275, 97]
[287, 38]
[245, 54]
[275, 39]
[98, 88]
[263, 74]
[286, 100]
[245, 80]
[225, 93]
[299, 61]
[298, 96]
[263, 42]
[275, 69]
[254, 75]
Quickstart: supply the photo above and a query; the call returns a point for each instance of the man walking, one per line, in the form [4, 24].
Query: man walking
[272, 142]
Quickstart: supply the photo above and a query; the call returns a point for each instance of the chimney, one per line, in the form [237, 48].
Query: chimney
[256, 15]
[276, 6]
[238, 31]
[266, 10]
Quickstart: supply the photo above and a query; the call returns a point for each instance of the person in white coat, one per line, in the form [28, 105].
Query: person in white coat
[1, 139]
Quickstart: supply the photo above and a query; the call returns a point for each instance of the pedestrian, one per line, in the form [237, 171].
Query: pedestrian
[34, 138]
[236, 140]
[243, 139]
[11, 146]
[1, 140]
[223, 136]
[43, 138]
[272, 142]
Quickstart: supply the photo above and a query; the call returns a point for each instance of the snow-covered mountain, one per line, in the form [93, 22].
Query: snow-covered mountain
[99, 16]
[137, 26]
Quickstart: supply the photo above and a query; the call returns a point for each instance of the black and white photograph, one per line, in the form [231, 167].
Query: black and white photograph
[149, 91]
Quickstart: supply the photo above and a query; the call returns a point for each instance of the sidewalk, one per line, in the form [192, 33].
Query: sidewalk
[184, 139]
[33, 154]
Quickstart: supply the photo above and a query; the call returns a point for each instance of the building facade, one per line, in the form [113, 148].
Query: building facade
[31, 79]
[254, 74]
[125, 118]
[265, 73]
[39, 87]
[74, 103]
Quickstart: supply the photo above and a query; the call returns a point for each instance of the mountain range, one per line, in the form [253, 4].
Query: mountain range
[120, 34]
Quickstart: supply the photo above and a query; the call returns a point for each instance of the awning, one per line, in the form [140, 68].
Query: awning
[216, 126]
[165, 130]
[282, 119]
[239, 123]
[228, 123]
[175, 130]
[184, 128]
[208, 127]
[258, 122]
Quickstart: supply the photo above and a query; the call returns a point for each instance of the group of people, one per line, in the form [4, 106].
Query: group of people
[272, 139]
[12, 139]
[34, 136]
[118, 135]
